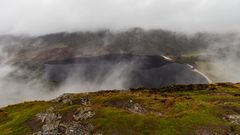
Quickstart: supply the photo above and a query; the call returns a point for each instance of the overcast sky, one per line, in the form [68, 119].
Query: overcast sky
[49, 16]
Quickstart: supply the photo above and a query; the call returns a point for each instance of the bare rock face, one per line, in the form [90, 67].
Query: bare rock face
[123, 71]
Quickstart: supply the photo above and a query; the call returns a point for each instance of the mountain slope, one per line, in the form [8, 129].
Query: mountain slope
[177, 109]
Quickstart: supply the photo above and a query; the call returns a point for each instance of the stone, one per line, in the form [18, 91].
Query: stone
[65, 98]
[234, 119]
[135, 107]
[85, 101]
[83, 113]
[79, 129]
[51, 122]
[82, 101]
[67, 101]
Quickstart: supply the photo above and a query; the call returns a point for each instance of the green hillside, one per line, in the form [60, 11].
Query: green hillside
[174, 110]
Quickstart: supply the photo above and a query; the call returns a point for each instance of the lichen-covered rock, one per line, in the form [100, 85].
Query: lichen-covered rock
[234, 119]
[85, 101]
[135, 107]
[51, 122]
[79, 129]
[67, 101]
[65, 98]
[83, 113]
[54, 125]
[82, 101]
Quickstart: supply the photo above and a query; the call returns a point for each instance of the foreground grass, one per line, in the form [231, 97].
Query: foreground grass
[17, 115]
[179, 112]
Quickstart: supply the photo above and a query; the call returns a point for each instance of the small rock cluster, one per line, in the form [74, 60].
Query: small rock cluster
[84, 101]
[135, 107]
[54, 124]
[234, 119]
[78, 129]
[51, 122]
[65, 98]
[83, 113]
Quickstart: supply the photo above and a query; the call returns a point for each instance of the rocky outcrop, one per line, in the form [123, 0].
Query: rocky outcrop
[135, 107]
[128, 105]
[78, 129]
[54, 125]
[233, 119]
[82, 101]
[51, 122]
[83, 113]
[65, 98]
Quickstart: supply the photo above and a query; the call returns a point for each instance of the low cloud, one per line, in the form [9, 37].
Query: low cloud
[49, 16]
[225, 65]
